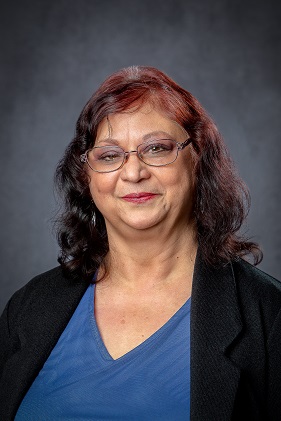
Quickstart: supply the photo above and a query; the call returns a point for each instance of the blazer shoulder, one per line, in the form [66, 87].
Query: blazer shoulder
[46, 279]
[250, 273]
[40, 292]
[257, 290]
[39, 282]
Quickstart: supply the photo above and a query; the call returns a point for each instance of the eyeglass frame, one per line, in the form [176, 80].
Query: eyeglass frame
[180, 146]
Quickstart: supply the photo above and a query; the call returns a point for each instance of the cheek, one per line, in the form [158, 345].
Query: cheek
[181, 187]
[180, 179]
[101, 184]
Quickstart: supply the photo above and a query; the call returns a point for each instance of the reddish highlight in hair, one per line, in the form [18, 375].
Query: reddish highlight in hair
[137, 85]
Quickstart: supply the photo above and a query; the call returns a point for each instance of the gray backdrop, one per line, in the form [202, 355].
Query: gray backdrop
[54, 54]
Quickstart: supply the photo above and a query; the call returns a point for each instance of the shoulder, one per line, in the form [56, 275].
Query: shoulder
[39, 284]
[43, 292]
[252, 275]
[51, 276]
[257, 290]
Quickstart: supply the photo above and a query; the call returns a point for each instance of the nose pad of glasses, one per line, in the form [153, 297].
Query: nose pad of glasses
[127, 155]
[136, 163]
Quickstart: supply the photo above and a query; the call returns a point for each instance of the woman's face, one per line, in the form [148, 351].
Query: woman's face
[138, 196]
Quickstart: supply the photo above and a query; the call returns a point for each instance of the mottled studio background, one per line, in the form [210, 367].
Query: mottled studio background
[54, 54]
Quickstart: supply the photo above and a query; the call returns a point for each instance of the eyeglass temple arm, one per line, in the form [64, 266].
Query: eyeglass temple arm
[182, 145]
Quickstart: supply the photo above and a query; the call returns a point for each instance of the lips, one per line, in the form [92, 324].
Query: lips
[139, 197]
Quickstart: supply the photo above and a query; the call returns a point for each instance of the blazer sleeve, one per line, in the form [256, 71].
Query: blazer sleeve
[274, 369]
[9, 340]
[4, 338]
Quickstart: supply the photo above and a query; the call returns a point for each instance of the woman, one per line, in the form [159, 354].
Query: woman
[154, 312]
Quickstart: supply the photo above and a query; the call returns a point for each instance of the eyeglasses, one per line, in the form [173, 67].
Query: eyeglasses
[156, 153]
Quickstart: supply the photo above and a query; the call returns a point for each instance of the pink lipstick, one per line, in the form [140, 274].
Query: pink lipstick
[139, 197]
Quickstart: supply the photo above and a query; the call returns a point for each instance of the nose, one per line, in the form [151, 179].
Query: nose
[134, 169]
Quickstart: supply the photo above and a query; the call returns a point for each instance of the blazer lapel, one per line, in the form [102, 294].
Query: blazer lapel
[215, 323]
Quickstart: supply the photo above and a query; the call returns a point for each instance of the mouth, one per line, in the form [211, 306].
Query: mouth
[139, 197]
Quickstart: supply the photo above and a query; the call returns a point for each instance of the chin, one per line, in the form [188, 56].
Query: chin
[142, 224]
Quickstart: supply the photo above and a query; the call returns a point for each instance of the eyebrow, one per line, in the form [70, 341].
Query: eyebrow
[159, 134]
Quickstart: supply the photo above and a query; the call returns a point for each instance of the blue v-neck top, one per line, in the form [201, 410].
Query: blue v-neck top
[81, 381]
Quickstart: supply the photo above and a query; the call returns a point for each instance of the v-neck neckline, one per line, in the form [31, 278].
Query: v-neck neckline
[147, 343]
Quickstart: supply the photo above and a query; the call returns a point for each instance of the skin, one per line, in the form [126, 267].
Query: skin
[152, 243]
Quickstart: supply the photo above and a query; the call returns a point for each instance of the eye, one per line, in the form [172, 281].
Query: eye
[108, 155]
[158, 147]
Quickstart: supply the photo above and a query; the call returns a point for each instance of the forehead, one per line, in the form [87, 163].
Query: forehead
[138, 121]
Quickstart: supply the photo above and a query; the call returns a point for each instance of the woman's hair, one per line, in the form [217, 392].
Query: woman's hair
[222, 199]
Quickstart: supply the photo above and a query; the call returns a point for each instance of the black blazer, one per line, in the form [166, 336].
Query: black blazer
[235, 340]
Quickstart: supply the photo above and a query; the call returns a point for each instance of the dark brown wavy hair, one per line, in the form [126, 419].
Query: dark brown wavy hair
[222, 199]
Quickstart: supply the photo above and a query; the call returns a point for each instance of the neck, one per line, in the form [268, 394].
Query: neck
[151, 257]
